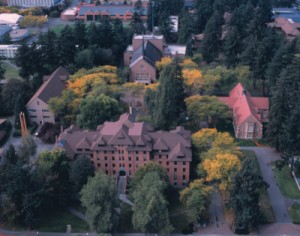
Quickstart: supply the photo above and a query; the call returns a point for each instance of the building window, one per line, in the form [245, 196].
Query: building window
[114, 172]
[129, 158]
[183, 163]
[145, 152]
[175, 169]
[129, 165]
[31, 110]
[113, 165]
[33, 116]
[183, 169]
[105, 158]
[137, 158]
[38, 102]
[46, 116]
[136, 152]
[113, 158]
[106, 172]
[167, 163]
[175, 163]
[183, 177]
[98, 165]
[106, 165]
[44, 110]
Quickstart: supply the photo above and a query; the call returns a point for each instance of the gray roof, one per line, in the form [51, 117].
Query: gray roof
[111, 9]
[4, 29]
[150, 53]
[53, 86]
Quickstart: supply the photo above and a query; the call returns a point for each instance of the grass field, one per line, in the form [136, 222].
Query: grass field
[264, 200]
[57, 222]
[294, 212]
[286, 183]
[10, 71]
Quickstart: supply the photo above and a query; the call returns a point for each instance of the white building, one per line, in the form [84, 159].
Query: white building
[8, 51]
[10, 19]
[33, 3]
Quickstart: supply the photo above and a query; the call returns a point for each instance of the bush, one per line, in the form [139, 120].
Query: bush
[279, 164]
[54, 14]
[17, 133]
[49, 132]
[33, 128]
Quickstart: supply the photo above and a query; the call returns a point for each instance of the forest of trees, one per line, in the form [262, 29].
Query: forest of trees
[239, 48]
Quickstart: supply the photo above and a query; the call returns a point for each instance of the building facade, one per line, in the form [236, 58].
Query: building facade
[249, 113]
[125, 145]
[37, 107]
[33, 3]
[8, 51]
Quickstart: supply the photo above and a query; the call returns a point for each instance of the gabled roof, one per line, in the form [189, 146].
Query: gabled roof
[136, 136]
[160, 145]
[53, 86]
[149, 53]
[243, 105]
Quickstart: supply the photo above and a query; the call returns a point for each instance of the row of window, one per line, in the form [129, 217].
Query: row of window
[34, 110]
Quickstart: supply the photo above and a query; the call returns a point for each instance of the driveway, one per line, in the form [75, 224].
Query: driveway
[279, 203]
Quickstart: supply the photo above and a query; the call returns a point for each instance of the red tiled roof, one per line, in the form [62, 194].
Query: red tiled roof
[243, 105]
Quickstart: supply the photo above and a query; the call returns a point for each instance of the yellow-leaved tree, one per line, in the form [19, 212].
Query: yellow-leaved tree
[222, 169]
[203, 139]
[163, 62]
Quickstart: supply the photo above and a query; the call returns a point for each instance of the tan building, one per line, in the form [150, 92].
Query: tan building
[249, 113]
[124, 146]
[53, 86]
[145, 50]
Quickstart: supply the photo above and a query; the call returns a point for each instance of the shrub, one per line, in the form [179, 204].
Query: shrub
[279, 164]
[17, 133]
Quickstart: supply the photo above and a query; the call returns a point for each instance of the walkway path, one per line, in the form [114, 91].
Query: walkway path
[76, 213]
[279, 203]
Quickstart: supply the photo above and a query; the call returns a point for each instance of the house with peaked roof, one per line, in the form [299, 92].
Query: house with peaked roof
[249, 113]
[144, 52]
[37, 107]
[123, 146]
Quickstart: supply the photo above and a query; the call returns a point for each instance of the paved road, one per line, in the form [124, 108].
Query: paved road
[279, 203]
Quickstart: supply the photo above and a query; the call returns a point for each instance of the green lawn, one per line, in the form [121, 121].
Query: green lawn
[264, 201]
[294, 212]
[286, 183]
[57, 222]
[10, 72]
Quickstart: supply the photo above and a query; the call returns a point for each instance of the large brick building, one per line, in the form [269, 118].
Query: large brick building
[124, 146]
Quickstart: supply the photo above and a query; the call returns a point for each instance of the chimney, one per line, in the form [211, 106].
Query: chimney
[61, 129]
[130, 110]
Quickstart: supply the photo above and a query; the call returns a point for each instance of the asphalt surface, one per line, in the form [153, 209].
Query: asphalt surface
[279, 203]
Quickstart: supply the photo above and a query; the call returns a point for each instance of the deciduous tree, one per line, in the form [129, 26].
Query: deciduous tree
[196, 198]
[98, 196]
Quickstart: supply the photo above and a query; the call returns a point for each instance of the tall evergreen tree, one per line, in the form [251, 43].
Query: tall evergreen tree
[244, 198]
[211, 43]
[80, 36]
[204, 11]
[66, 46]
[186, 27]
[168, 98]
[233, 47]
[166, 25]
